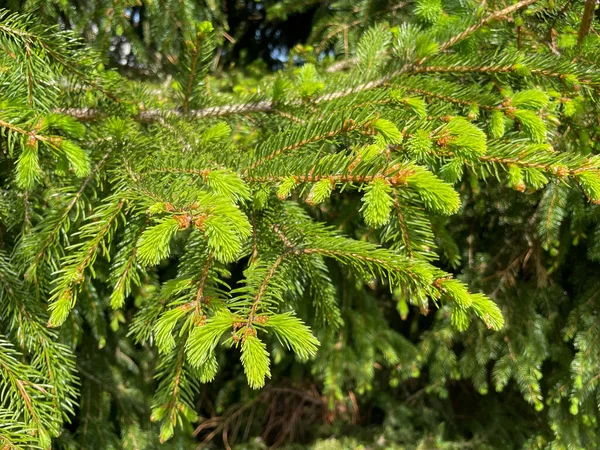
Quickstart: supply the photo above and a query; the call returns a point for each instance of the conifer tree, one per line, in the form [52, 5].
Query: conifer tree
[412, 200]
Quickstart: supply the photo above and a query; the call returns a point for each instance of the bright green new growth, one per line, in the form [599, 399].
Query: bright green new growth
[377, 203]
[214, 221]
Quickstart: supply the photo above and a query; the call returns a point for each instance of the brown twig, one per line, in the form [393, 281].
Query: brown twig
[586, 20]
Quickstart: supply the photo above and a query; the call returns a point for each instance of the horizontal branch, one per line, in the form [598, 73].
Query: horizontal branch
[395, 176]
[155, 115]
[88, 114]
[500, 14]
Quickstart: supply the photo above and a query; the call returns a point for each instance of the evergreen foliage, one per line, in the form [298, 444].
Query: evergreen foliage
[405, 216]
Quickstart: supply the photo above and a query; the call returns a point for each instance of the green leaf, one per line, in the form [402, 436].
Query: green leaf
[226, 228]
[429, 11]
[552, 211]
[286, 187]
[206, 372]
[217, 132]
[167, 430]
[228, 184]
[163, 330]
[533, 98]
[420, 144]
[377, 203]
[308, 81]
[452, 171]
[532, 123]
[78, 159]
[458, 292]
[418, 105]
[255, 360]
[497, 124]
[155, 242]
[294, 334]
[61, 308]
[487, 311]
[590, 183]
[515, 178]
[465, 138]
[320, 191]
[204, 338]
[435, 194]
[372, 48]
[388, 131]
[425, 46]
[460, 318]
[28, 166]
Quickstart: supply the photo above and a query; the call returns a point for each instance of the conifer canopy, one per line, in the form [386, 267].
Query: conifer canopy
[397, 217]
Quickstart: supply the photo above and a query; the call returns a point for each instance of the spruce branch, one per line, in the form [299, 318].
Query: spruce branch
[496, 15]
[54, 231]
[261, 290]
[344, 28]
[394, 176]
[70, 56]
[124, 271]
[25, 394]
[292, 210]
[196, 60]
[402, 223]
[586, 20]
[188, 91]
[98, 230]
[341, 126]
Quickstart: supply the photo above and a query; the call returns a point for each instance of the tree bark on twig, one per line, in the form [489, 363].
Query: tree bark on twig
[586, 20]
